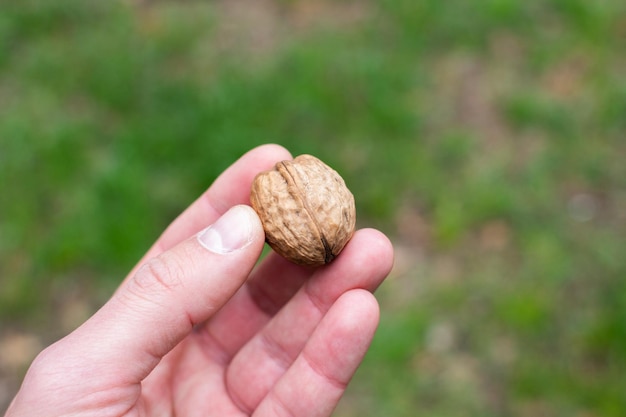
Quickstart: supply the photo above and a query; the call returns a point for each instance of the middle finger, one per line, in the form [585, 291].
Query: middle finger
[365, 262]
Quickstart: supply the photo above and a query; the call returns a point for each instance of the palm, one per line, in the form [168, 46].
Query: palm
[232, 363]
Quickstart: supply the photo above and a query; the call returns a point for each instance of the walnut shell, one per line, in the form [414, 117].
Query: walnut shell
[307, 211]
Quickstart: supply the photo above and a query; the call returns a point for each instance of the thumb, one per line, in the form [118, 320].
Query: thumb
[155, 309]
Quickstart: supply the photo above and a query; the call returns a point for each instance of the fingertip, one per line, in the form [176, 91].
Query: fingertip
[255, 221]
[349, 329]
[373, 248]
[360, 312]
[382, 246]
[343, 337]
[270, 151]
[233, 185]
[236, 229]
[256, 227]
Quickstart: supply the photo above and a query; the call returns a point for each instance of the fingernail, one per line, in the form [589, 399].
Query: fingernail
[231, 232]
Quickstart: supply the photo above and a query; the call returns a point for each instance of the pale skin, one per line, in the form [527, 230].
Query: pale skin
[197, 332]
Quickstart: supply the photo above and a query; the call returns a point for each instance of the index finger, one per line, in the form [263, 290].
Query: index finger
[232, 187]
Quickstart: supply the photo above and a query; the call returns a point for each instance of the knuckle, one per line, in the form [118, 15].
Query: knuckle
[48, 371]
[163, 273]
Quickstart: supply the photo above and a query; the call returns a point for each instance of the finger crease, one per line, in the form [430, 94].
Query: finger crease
[317, 369]
[317, 302]
[210, 202]
[276, 352]
[280, 404]
[262, 300]
[213, 348]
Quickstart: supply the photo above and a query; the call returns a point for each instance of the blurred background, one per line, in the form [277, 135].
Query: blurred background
[486, 138]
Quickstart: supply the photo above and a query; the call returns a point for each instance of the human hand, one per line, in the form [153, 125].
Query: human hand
[196, 330]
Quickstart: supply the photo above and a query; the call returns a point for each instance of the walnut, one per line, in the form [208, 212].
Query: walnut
[307, 211]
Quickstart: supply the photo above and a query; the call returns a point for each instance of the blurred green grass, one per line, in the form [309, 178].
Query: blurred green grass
[486, 138]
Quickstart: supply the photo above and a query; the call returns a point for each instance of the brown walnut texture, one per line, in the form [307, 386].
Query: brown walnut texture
[307, 211]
